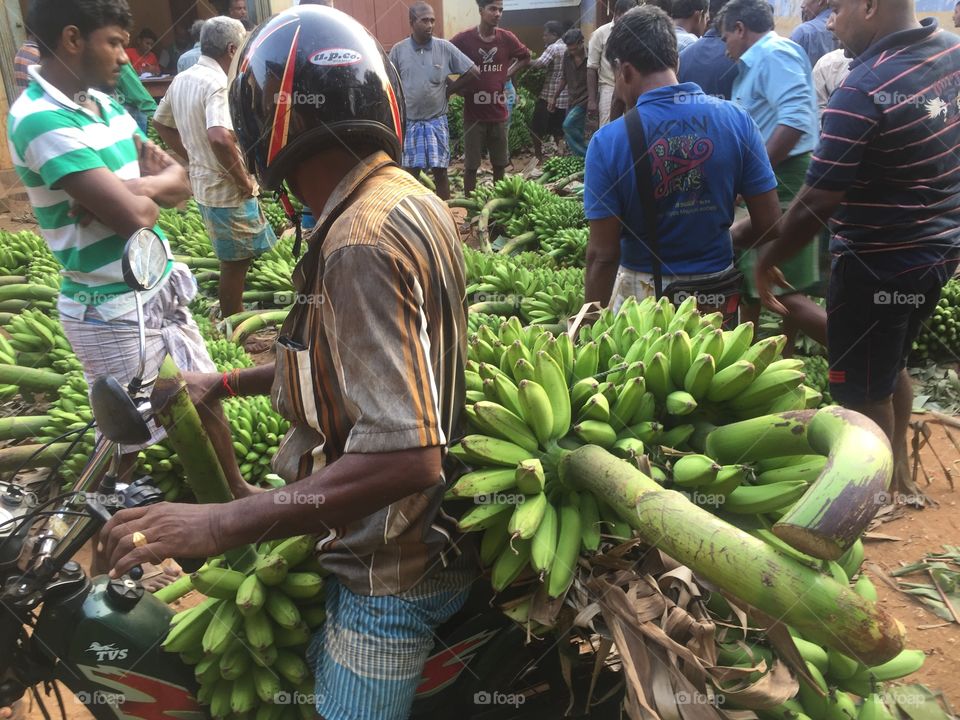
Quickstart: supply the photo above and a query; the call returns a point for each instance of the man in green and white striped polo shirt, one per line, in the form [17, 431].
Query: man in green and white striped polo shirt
[93, 180]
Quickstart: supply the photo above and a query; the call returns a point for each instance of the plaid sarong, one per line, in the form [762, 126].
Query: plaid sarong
[426, 143]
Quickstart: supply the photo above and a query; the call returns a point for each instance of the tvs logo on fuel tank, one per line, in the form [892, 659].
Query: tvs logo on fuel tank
[107, 652]
[336, 57]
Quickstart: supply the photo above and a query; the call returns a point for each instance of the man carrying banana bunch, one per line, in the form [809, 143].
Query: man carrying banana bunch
[369, 368]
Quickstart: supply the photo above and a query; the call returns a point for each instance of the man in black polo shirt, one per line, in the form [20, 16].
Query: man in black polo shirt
[886, 175]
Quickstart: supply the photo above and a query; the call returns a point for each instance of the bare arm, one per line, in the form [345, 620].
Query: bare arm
[517, 67]
[353, 487]
[111, 200]
[603, 259]
[781, 142]
[224, 146]
[465, 79]
[171, 136]
[761, 225]
[593, 83]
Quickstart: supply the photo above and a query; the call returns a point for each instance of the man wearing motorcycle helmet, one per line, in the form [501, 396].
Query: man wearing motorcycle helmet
[369, 367]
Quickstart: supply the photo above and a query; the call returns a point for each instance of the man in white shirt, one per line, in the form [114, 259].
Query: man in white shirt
[194, 120]
[601, 103]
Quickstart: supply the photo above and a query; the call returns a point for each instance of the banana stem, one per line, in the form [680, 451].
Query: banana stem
[175, 411]
[257, 323]
[745, 567]
[520, 241]
[33, 379]
[843, 500]
[21, 427]
[175, 590]
[12, 458]
[198, 263]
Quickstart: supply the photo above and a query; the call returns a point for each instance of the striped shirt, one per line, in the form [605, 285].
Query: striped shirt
[371, 360]
[552, 62]
[891, 136]
[195, 102]
[27, 55]
[50, 137]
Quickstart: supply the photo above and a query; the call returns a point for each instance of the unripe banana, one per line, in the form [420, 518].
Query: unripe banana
[251, 595]
[482, 482]
[646, 432]
[188, 632]
[553, 380]
[728, 479]
[217, 582]
[694, 471]
[767, 387]
[271, 569]
[596, 433]
[302, 585]
[658, 376]
[581, 391]
[698, 377]
[529, 476]
[812, 653]
[806, 471]
[481, 517]
[764, 352]
[568, 546]
[590, 522]
[756, 499]
[681, 357]
[597, 407]
[235, 661]
[731, 381]
[735, 344]
[510, 563]
[223, 628]
[506, 424]
[586, 363]
[840, 666]
[628, 448]
[680, 403]
[527, 516]
[543, 548]
[873, 708]
[865, 588]
[537, 410]
[493, 451]
[495, 539]
[907, 662]
[646, 410]
[711, 344]
[677, 437]
[852, 559]
[628, 402]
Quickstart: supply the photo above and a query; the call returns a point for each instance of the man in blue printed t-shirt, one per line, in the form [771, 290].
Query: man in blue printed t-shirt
[885, 174]
[704, 152]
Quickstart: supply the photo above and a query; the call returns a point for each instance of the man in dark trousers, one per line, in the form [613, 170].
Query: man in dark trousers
[885, 175]
[499, 55]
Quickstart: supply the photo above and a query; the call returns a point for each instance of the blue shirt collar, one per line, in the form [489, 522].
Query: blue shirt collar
[824, 14]
[756, 50]
[669, 91]
[425, 46]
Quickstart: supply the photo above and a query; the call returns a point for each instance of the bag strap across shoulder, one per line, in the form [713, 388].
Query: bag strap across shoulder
[643, 170]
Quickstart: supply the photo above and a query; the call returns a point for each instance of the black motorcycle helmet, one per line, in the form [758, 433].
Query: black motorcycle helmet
[309, 77]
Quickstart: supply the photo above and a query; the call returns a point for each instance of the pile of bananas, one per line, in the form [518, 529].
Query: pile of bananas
[940, 334]
[526, 284]
[8, 356]
[247, 641]
[228, 355]
[560, 167]
[71, 412]
[816, 368]
[568, 247]
[39, 341]
[185, 231]
[273, 270]
[274, 213]
[257, 429]
[165, 470]
[44, 270]
[18, 249]
[839, 679]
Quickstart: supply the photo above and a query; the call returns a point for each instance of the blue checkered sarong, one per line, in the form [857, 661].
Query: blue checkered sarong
[368, 657]
[426, 143]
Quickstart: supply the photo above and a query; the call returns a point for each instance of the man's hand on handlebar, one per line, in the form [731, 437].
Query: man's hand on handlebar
[171, 529]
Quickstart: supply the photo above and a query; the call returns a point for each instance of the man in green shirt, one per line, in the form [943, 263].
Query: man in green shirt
[134, 97]
[93, 180]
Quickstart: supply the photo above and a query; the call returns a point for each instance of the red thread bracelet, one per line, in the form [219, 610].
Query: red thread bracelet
[226, 385]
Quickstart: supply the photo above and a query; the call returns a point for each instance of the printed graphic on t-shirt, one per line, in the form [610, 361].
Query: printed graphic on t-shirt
[678, 163]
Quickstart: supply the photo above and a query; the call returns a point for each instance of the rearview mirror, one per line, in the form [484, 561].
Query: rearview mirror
[145, 259]
[117, 416]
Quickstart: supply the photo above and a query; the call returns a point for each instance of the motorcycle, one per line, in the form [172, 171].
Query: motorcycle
[101, 637]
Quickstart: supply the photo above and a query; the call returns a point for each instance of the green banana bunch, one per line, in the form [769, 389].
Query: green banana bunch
[247, 641]
[257, 430]
[71, 412]
[561, 166]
